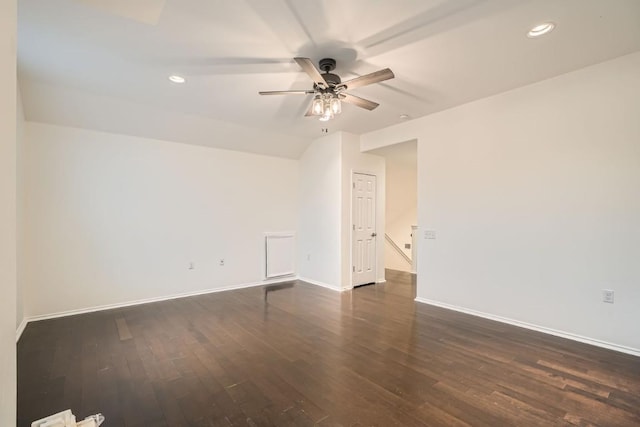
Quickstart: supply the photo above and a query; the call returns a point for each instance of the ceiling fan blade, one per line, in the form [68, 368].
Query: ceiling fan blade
[286, 92]
[360, 102]
[367, 79]
[308, 67]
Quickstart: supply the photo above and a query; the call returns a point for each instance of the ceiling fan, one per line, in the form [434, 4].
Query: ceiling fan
[329, 90]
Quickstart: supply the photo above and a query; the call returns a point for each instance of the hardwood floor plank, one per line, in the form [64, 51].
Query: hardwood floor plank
[301, 355]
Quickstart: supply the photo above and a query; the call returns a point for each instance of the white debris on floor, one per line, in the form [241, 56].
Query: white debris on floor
[67, 419]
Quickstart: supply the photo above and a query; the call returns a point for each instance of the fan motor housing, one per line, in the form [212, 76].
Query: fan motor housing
[332, 79]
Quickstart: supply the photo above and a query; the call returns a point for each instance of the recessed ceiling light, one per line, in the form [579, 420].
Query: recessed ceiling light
[177, 79]
[540, 30]
[404, 117]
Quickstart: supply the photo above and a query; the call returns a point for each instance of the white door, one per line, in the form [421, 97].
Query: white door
[364, 229]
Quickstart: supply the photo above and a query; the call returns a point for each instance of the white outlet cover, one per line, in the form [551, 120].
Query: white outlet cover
[607, 296]
[430, 234]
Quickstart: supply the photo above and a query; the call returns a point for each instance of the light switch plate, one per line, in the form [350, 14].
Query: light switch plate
[430, 234]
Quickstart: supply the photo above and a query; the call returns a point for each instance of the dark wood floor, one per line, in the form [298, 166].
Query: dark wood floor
[303, 355]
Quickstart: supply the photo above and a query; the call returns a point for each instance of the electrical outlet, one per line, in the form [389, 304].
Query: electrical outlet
[430, 234]
[607, 296]
[221, 262]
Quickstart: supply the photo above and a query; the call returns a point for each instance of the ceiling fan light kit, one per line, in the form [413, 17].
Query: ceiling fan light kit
[329, 91]
[326, 106]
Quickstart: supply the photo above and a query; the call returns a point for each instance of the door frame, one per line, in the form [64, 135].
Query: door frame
[377, 222]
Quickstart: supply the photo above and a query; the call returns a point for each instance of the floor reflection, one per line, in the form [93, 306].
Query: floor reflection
[276, 287]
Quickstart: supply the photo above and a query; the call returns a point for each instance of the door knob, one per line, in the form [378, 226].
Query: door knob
[374, 234]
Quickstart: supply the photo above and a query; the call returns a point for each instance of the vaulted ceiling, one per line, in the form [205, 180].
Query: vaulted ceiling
[103, 64]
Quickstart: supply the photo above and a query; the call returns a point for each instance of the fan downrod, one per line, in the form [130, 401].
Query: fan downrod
[327, 65]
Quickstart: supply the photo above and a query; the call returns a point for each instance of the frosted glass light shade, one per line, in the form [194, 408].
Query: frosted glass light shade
[335, 104]
[328, 114]
[317, 108]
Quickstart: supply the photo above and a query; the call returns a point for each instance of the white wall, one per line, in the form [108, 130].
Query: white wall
[393, 260]
[534, 196]
[319, 252]
[324, 254]
[8, 269]
[20, 125]
[114, 218]
[355, 161]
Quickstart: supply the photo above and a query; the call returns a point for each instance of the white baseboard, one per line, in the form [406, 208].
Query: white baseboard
[324, 285]
[154, 299]
[383, 280]
[21, 327]
[543, 329]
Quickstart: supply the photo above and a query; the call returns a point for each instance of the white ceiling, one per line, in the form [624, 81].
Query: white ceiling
[403, 155]
[103, 64]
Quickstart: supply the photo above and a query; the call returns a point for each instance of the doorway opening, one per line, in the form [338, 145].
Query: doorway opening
[401, 206]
